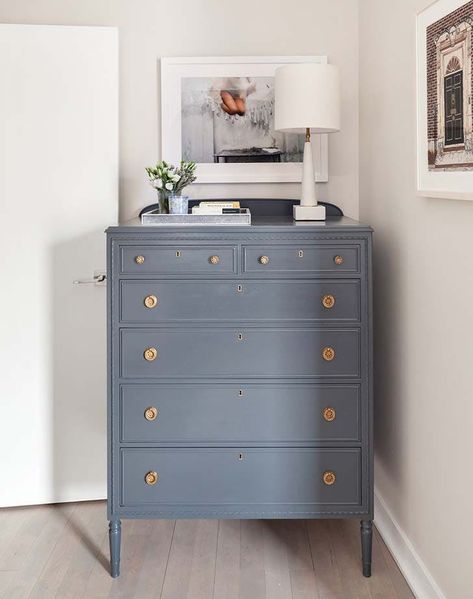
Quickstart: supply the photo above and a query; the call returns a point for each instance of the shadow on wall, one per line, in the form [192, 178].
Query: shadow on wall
[388, 382]
[78, 319]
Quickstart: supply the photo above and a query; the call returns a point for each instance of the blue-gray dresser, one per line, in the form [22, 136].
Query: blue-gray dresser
[240, 373]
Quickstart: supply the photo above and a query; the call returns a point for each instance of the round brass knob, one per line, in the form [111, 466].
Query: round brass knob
[328, 301]
[150, 354]
[329, 477]
[150, 301]
[329, 414]
[328, 354]
[151, 478]
[151, 413]
[139, 259]
[338, 260]
[214, 259]
[263, 260]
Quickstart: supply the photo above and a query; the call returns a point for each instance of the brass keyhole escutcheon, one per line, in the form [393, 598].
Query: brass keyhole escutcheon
[151, 478]
[328, 354]
[150, 354]
[328, 301]
[263, 260]
[178, 253]
[151, 413]
[139, 259]
[214, 259]
[338, 260]
[151, 301]
[329, 477]
[329, 414]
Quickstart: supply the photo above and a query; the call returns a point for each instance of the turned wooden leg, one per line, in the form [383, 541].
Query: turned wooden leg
[114, 535]
[366, 544]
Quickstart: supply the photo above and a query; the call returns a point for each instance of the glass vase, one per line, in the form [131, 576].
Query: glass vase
[163, 202]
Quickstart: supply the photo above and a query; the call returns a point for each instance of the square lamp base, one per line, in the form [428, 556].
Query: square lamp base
[308, 212]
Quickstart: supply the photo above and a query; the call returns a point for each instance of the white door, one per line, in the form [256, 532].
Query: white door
[58, 191]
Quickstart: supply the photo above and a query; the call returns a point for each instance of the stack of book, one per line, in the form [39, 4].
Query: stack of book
[219, 207]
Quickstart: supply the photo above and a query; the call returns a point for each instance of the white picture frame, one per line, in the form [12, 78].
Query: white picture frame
[173, 70]
[439, 181]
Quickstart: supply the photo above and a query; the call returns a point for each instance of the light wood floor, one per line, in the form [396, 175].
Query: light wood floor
[61, 551]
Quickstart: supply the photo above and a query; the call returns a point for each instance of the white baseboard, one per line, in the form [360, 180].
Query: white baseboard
[410, 563]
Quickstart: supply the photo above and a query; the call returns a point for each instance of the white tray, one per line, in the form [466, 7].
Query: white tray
[154, 218]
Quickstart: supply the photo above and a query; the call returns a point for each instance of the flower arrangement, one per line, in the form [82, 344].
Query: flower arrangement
[168, 179]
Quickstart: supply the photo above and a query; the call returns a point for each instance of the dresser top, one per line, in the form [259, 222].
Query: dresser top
[260, 224]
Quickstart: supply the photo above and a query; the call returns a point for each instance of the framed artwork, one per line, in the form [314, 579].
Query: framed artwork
[219, 113]
[444, 100]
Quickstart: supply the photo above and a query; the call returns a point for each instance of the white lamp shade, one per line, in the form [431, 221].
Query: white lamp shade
[307, 95]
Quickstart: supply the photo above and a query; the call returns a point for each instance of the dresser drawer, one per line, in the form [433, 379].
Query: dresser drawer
[240, 353]
[165, 301]
[240, 476]
[180, 260]
[290, 259]
[230, 414]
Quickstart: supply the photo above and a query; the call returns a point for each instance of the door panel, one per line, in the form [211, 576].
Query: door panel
[58, 181]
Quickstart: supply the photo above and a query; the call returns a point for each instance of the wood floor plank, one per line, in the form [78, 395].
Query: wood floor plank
[252, 573]
[191, 568]
[227, 567]
[276, 560]
[61, 552]
[354, 585]
[34, 560]
[403, 591]
[303, 584]
[327, 573]
[74, 555]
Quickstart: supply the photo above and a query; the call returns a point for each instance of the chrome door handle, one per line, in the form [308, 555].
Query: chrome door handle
[99, 279]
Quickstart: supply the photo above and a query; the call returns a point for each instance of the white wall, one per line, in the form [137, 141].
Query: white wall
[424, 314]
[150, 29]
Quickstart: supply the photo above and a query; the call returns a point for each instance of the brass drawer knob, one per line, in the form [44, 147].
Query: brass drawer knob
[151, 413]
[139, 259]
[338, 260]
[151, 478]
[214, 259]
[329, 477]
[263, 260]
[150, 354]
[328, 354]
[151, 301]
[328, 301]
[329, 414]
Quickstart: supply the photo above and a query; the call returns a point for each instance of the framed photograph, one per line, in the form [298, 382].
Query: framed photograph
[219, 112]
[444, 100]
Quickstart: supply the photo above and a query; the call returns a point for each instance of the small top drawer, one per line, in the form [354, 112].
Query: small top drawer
[314, 258]
[179, 260]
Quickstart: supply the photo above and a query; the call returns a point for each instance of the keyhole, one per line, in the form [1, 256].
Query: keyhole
[240, 288]
[240, 337]
[240, 456]
[178, 254]
[240, 392]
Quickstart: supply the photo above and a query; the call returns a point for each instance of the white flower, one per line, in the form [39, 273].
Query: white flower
[158, 183]
[169, 186]
[175, 178]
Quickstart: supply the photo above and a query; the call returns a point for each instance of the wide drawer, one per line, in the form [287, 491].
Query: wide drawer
[240, 476]
[247, 414]
[290, 259]
[165, 301]
[180, 260]
[240, 353]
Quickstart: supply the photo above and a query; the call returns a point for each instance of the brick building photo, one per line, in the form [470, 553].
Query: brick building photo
[449, 91]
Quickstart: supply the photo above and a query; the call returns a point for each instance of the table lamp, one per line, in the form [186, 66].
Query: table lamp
[307, 98]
